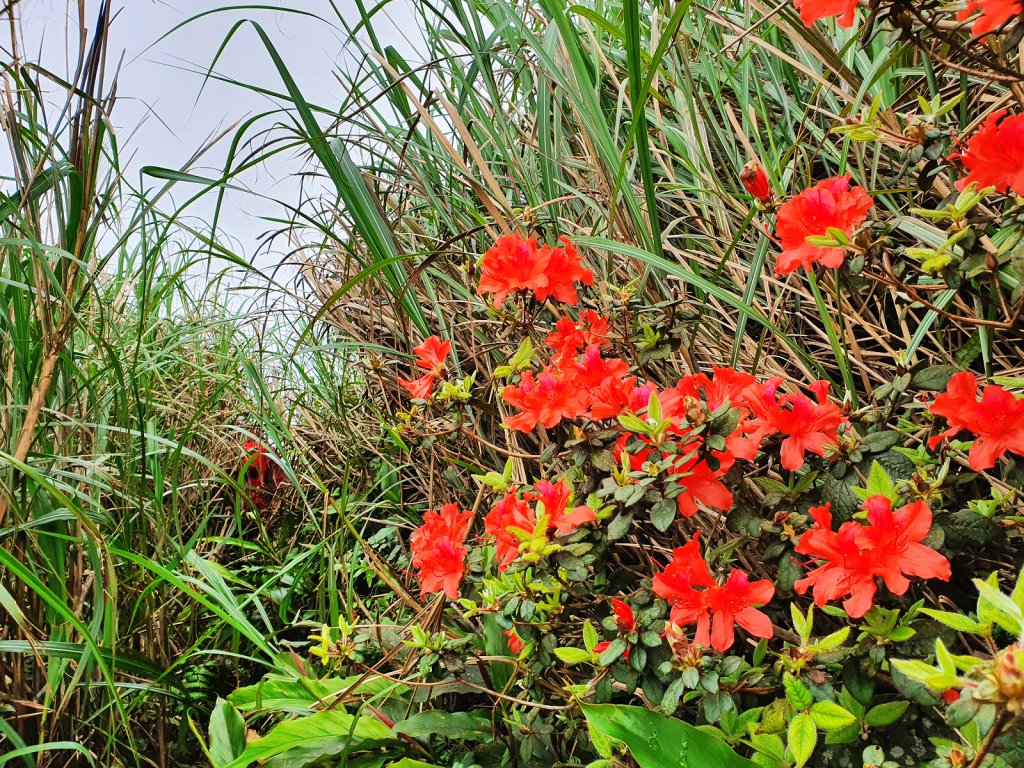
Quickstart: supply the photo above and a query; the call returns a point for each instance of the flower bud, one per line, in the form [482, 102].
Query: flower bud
[755, 180]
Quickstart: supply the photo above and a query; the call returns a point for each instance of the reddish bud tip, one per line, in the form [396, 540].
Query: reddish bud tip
[755, 180]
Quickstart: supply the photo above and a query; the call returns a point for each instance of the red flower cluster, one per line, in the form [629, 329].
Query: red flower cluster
[430, 355]
[997, 419]
[697, 598]
[994, 14]
[573, 382]
[513, 521]
[829, 203]
[806, 425]
[438, 552]
[262, 476]
[516, 264]
[994, 155]
[809, 426]
[815, 10]
[889, 547]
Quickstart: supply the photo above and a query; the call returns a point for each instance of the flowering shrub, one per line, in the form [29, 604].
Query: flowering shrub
[810, 571]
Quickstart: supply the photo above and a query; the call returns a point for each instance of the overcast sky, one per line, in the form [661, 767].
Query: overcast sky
[164, 113]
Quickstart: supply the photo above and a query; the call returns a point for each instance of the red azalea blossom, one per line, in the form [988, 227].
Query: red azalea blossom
[564, 270]
[547, 399]
[512, 519]
[997, 419]
[437, 550]
[715, 609]
[888, 547]
[829, 203]
[625, 622]
[513, 264]
[517, 264]
[515, 642]
[555, 497]
[809, 426]
[815, 10]
[994, 14]
[574, 336]
[994, 155]
[429, 355]
[509, 515]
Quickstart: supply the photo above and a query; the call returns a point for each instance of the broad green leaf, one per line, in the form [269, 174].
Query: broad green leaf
[328, 733]
[830, 716]
[886, 714]
[451, 725]
[227, 733]
[802, 738]
[657, 741]
[956, 621]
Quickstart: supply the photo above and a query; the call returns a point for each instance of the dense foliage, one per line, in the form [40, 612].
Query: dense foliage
[657, 402]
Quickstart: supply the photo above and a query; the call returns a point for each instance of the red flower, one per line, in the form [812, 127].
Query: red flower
[516, 264]
[997, 420]
[755, 181]
[592, 370]
[735, 603]
[512, 519]
[714, 609]
[892, 544]
[845, 573]
[515, 642]
[624, 619]
[509, 515]
[829, 203]
[702, 484]
[437, 550]
[429, 355]
[547, 399]
[569, 337]
[809, 426]
[889, 547]
[618, 395]
[564, 270]
[555, 497]
[262, 476]
[814, 10]
[421, 388]
[994, 14]
[513, 264]
[994, 156]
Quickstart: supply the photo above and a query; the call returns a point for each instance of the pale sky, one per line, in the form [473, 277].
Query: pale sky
[162, 118]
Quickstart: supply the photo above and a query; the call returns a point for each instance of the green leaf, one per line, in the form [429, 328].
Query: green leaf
[227, 733]
[657, 741]
[573, 655]
[830, 716]
[450, 725]
[956, 621]
[802, 738]
[612, 653]
[998, 608]
[328, 733]
[886, 714]
[589, 635]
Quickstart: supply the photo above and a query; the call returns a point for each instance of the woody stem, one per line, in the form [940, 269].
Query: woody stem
[997, 728]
